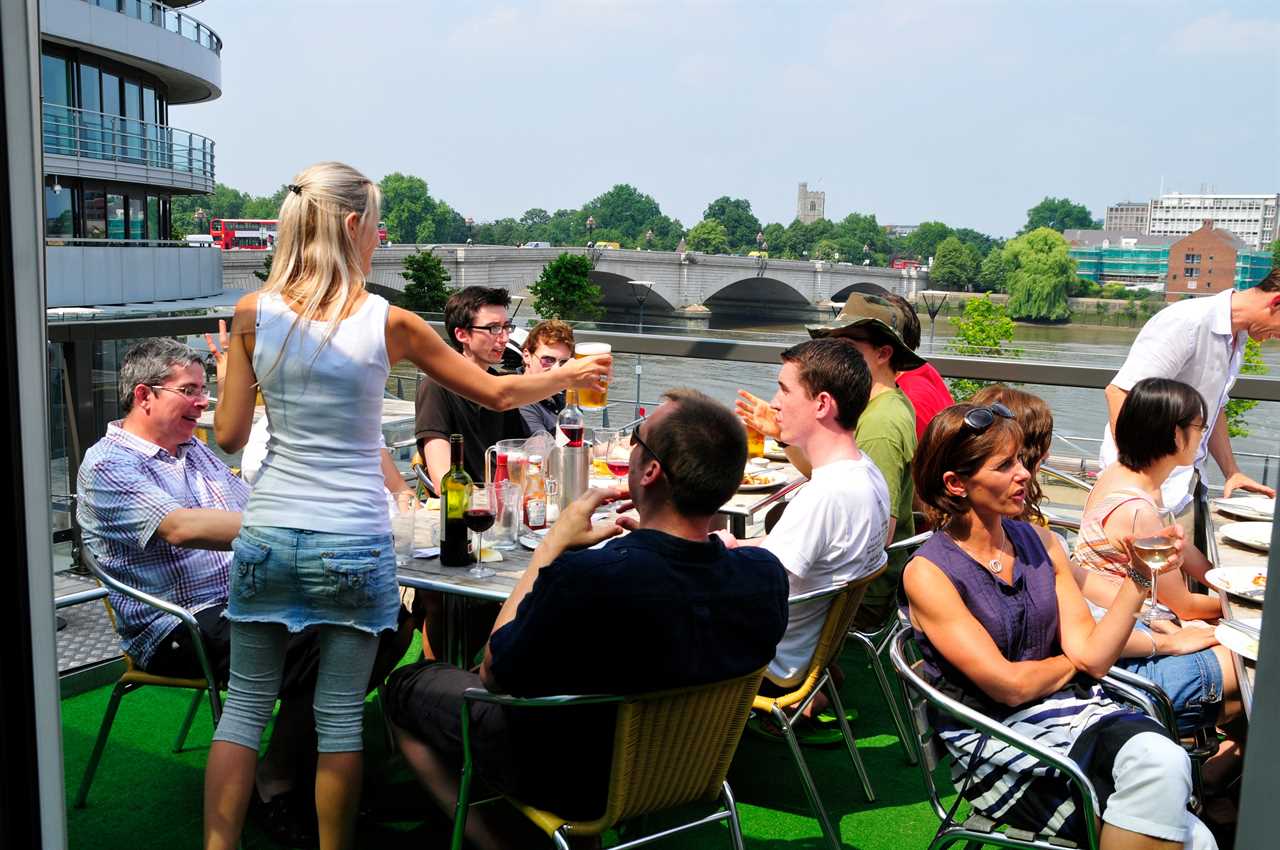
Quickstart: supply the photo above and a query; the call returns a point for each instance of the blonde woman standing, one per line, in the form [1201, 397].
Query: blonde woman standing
[315, 546]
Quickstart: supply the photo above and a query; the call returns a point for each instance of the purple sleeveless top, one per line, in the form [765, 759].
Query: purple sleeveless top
[1022, 617]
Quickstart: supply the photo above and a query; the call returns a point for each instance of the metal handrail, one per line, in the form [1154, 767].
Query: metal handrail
[160, 15]
[86, 134]
[77, 242]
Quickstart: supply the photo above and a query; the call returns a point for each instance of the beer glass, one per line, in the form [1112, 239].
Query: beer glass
[593, 399]
[755, 443]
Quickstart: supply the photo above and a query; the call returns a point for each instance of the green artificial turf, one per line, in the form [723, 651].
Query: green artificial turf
[145, 796]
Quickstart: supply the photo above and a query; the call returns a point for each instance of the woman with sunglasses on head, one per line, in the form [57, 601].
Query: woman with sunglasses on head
[1003, 628]
[315, 545]
[549, 345]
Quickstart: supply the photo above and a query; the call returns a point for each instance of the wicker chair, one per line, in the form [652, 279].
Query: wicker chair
[976, 828]
[670, 748]
[134, 677]
[845, 599]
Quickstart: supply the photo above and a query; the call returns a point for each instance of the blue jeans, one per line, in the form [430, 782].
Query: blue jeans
[257, 664]
[1193, 683]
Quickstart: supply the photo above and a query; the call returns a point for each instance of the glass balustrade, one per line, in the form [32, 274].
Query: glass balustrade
[98, 135]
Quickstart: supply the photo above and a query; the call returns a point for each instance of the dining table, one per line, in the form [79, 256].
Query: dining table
[1224, 552]
[462, 590]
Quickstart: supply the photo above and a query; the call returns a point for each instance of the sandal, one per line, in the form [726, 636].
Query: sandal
[808, 734]
[285, 820]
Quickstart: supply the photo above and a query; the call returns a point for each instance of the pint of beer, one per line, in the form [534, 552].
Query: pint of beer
[593, 399]
[755, 443]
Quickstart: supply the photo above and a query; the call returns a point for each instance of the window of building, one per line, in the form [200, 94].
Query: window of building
[153, 217]
[1190, 272]
[58, 221]
[1191, 284]
[137, 217]
[115, 216]
[1192, 258]
[95, 214]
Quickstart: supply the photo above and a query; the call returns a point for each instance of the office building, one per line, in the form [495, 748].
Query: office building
[1128, 216]
[1250, 217]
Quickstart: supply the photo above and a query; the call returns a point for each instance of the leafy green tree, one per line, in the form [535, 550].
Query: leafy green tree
[1082, 287]
[427, 289]
[625, 214]
[1130, 312]
[862, 238]
[924, 240]
[708, 236]
[266, 267]
[1058, 214]
[1253, 364]
[1275, 254]
[740, 224]
[408, 209]
[993, 275]
[953, 266]
[1100, 307]
[774, 235]
[829, 251]
[979, 242]
[535, 217]
[565, 290]
[1040, 269]
[981, 331]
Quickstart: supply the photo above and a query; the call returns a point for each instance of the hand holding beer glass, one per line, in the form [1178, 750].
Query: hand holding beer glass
[759, 417]
[593, 391]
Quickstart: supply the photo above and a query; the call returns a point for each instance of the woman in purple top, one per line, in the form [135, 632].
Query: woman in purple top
[1003, 628]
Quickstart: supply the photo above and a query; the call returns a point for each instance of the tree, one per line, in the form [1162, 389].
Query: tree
[427, 289]
[981, 332]
[408, 209]
[993, 275]
[625, 214]
[953, 265]
[979, 242]
[1040, 269]
[1057, 214]
[708, 236]
[564, 290]
[1082, 287]
[266, 267]
[740, 224]
[1275, 254]
[1253, 364]
[862, 239]
[924, 240]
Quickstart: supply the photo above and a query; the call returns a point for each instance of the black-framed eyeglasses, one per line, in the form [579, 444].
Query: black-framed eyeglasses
[188, 390]
[979, 419]
[635, 440]
[494, 328]
[548, 361]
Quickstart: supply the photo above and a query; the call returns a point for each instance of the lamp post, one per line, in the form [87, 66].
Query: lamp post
[934, 306]
[640, 290]
[591, 226]
[200, 218]
[471, 227]
[648, 239]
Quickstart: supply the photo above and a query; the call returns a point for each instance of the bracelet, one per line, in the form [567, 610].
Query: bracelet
[1143, 582]
[1152, 635]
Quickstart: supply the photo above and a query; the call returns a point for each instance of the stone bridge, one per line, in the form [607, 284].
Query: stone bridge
[689, 285]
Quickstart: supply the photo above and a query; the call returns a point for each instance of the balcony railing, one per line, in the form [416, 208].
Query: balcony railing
[68, 131]
[160, 15]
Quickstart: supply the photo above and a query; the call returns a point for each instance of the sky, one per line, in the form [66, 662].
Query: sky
[914, 110]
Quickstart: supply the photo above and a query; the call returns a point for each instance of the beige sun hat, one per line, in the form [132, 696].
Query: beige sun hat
[871, 311]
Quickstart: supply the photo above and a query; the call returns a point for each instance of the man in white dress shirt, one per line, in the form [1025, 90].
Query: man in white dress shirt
[1200, 342]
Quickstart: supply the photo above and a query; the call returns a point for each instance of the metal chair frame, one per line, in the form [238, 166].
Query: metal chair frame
[845, 600]
[134, 678]
[876, 642]
[727, 811]
[976, 828]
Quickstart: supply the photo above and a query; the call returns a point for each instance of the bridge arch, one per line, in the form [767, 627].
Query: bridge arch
[863, 286]
[616, 294]
[756, 290]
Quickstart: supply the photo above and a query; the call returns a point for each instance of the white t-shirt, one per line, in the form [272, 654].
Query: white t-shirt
[833, 531]
[1190, 341]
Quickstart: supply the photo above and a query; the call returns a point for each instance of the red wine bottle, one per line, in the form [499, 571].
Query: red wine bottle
[570, 423]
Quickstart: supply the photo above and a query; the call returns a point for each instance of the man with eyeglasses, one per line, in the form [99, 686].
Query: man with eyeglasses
[477, 325]
[666, 606]
[548, 346]
[159, 510]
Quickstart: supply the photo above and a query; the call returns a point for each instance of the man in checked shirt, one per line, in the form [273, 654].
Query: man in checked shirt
[159, 511]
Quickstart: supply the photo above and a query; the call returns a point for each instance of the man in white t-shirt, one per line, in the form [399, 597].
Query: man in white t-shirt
[836, 527]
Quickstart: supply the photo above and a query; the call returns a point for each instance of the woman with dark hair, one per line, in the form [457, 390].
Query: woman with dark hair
[1003, 628]
[1157, 430]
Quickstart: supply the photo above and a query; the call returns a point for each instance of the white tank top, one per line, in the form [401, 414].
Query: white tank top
[322, 471]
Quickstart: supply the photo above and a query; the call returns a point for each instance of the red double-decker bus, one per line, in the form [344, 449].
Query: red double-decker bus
[905, 264]
[252, 234]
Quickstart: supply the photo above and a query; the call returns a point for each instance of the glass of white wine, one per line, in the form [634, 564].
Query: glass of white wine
[1153, 541]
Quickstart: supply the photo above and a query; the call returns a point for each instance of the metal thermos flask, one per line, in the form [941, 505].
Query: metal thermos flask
[572, 471]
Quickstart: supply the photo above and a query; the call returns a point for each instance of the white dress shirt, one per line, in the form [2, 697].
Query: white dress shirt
[1190, 341]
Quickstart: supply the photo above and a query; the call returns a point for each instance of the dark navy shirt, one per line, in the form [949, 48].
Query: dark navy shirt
[645, 612]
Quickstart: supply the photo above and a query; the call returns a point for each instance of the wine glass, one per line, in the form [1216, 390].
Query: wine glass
[1153, 542]
[618, 454]
[482, 508]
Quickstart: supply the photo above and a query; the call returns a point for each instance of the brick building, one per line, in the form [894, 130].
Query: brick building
[1203, 262]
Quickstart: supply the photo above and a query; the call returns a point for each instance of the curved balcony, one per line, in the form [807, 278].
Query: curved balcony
[96, 145]
[166, 42]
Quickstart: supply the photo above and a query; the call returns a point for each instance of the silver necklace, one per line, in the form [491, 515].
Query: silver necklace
[994, 565]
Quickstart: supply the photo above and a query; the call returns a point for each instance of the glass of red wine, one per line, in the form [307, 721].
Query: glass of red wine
[482, 510]
[618, 454]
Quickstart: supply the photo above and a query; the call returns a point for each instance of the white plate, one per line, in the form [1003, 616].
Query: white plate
[774, 476]
[1237, 641]
[773, 451]
[1238, 581]
[1248, 507]
[529, 540]
[1255, 535]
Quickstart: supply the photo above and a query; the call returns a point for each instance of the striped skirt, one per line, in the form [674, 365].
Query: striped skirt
[1011, 787]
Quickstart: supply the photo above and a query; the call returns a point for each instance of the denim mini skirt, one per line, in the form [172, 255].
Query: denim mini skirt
[302, 578]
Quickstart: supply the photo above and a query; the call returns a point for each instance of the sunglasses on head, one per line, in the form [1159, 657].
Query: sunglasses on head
[979, 419]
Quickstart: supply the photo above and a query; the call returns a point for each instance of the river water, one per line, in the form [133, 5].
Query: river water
[1078, 412]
